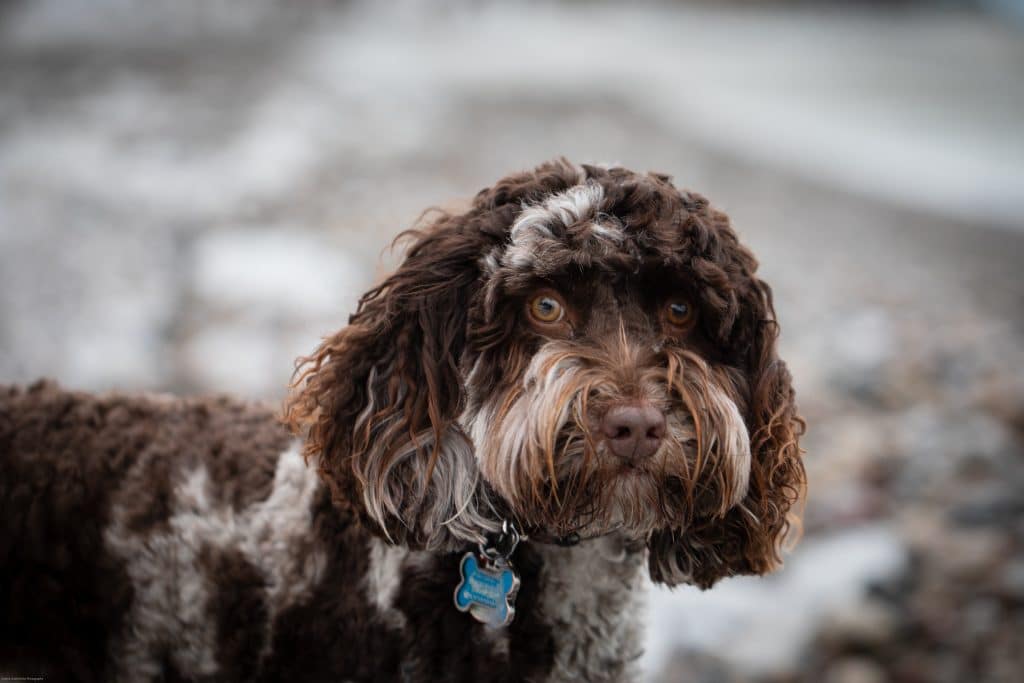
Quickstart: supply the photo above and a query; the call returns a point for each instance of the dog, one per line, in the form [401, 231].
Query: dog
[566, 388]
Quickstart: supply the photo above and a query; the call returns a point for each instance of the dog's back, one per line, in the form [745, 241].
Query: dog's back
[90, 498]
[153, 538]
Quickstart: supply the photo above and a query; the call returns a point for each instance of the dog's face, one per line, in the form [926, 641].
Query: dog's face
[585, 350]
[606, 404]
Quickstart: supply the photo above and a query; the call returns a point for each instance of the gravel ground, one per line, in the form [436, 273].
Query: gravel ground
[190, 196]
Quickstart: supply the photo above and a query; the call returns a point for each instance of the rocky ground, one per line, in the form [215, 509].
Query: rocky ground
[190, 196]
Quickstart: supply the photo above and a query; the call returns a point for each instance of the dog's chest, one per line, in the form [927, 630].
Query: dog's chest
[591, 599]
[577, 617]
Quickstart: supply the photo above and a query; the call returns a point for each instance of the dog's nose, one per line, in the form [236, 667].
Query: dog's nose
[634, 430]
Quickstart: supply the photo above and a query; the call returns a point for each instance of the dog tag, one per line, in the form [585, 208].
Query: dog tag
[487, 590]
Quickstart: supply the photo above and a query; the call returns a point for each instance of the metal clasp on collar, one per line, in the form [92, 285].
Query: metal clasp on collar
[504, 544]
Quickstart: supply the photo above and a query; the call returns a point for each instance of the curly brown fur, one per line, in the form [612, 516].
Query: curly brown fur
[69, 463]
[149, 538]
[438, 410]
[115, 565]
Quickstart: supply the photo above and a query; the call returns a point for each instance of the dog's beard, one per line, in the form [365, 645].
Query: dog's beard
[537, 445]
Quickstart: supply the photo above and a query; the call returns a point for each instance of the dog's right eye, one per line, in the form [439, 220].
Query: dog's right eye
[546, 309]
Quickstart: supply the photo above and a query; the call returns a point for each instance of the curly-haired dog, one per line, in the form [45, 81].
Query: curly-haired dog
[584, 358]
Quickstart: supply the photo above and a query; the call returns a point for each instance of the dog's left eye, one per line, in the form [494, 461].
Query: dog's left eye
[546, 309]
[678, 313]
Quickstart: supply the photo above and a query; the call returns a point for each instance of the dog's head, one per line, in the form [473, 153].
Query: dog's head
[584, 350]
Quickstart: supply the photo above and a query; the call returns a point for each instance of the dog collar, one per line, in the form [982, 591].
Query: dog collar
[566, 541]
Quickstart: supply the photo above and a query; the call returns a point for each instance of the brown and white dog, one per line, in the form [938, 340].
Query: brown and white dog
[585, 355]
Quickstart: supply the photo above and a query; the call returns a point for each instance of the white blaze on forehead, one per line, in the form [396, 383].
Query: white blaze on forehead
[571, 206]
[534, 224]
[607, 231]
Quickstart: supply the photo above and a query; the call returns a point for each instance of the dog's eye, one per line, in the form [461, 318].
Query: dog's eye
[678, 313]
[546, 309]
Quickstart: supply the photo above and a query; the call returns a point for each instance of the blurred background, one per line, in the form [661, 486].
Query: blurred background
[192, 192]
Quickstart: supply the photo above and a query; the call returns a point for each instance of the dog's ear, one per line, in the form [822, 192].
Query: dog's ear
[747, 539]
[378, 401]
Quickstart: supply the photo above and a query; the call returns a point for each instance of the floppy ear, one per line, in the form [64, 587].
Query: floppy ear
[378, 401]
[747, 539]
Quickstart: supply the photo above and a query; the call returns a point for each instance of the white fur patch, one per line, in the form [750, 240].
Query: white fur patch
[169, 612]
[607, 231]
[565, 207]
[489, 263]
[384, 577]
[451, 514]
[387, 564]
[734, 449]
[529, 419]
[592, 597]
[533, 225]
[385, 571]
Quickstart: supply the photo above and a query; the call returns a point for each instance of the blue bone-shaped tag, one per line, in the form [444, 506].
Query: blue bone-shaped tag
[488, 593]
